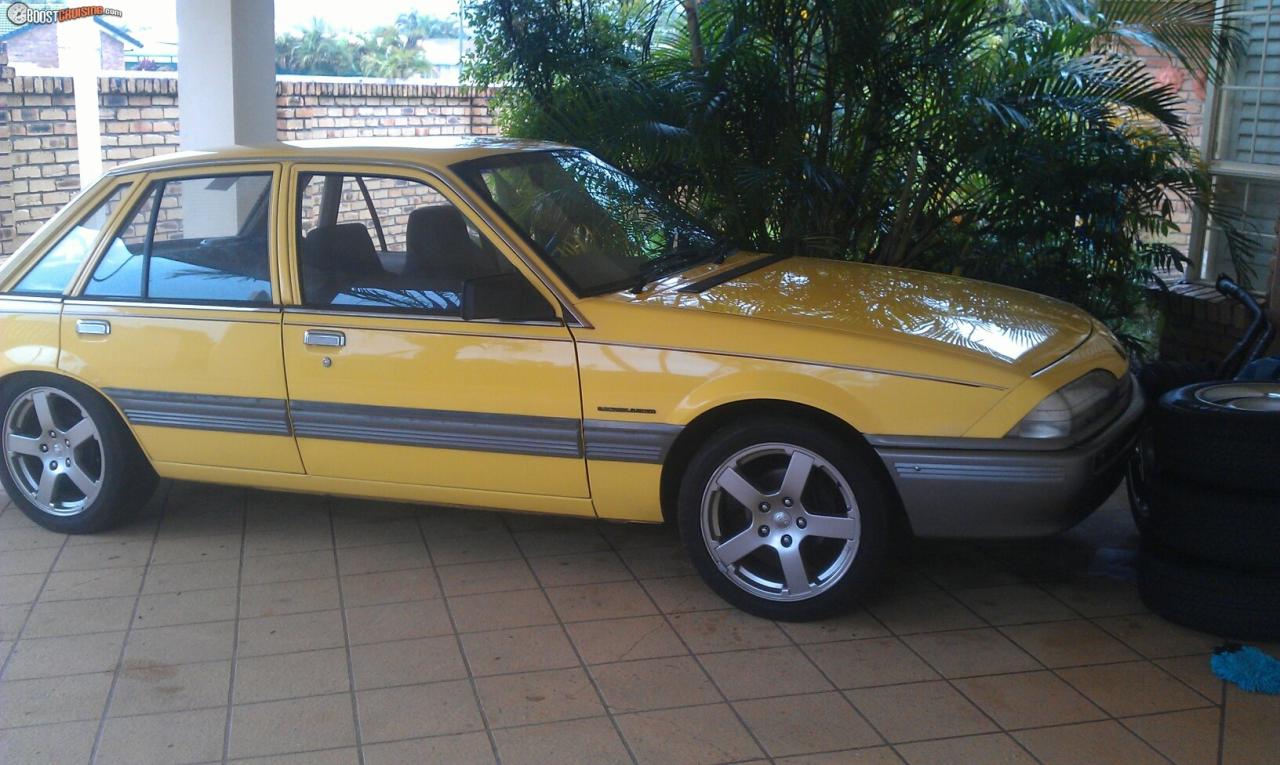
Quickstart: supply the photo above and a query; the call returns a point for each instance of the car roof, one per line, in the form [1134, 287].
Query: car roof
[429, 151]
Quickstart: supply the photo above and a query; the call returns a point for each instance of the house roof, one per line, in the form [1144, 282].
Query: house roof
[8, 30]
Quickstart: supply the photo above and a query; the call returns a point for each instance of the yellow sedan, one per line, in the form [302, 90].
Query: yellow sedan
[521, 326]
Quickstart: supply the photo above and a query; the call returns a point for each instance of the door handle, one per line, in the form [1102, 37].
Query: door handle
[324, 339]
[92, 327]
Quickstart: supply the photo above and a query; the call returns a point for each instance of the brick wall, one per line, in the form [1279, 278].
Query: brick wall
[7, 233]
[139, 119]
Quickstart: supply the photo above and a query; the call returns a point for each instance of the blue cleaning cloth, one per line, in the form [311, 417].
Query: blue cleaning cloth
[1247, 667]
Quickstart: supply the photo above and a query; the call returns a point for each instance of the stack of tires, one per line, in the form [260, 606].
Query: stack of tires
[1209, 509]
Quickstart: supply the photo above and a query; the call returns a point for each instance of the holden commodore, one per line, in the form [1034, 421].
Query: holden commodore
[521, 326]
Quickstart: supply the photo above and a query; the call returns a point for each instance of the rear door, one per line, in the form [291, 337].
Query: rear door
[178, 321]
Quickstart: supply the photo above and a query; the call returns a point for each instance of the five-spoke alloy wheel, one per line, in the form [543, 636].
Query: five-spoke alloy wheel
[784, 520]
[69, 462]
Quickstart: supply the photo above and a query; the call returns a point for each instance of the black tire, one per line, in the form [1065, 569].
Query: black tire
[1214, 525]
[126, 481]
[1230, 604]
[1199, 442]
[875, 503]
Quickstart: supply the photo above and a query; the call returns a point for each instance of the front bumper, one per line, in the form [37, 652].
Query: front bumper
[1001, 488]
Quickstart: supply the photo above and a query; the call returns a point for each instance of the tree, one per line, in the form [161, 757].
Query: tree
[319, 50]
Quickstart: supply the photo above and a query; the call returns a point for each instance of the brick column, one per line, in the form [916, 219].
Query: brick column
[8, 237]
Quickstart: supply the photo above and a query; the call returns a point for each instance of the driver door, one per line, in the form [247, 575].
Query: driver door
[387, 382]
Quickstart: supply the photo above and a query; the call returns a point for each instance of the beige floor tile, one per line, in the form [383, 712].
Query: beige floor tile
[642, 637]
[14, 616]
[690, 736]
[170, 609]
[1156, 638]
[874, 661]
[922, 611]
[195, 549]
[390, 587]
[20, 588]
[27, 561]
[405, 662]
[413, 711]
[1069, 644]
[919, 711]
[461, 749]
[607, 600]
[988, 749]
[764, 672]
[657, 562]
[474, 548]
[537, 697]
[1251, 730]
[439, 523]
[1028, 700]
[1088, 744]
[278, 541]
[174, 737]
[1132, 688]
[852, 626]
[524, 649]
[1189, 737]
[679, 594]
[375, 558]
[1195, 672]
[288, 567]
[33, 538]
[142, 689]
[965, 653]
[290, 633]
[501, 610]
[959, 566]
[290, 675]
[182, 644]
[341, 756]
[53, 700]
[1015, 604]
[876, 755]
[67, 742]
[292, 725]
[125, 552]
[96, 583]
[281, 598]
[488, 576]
[810, 723]
[398, 621]
[567, 541]
[199, 575]
[1098, 596]
[588, 741]
[384, 532]
[71, 655]
[582, 568]
[635, 686]
[726, 630]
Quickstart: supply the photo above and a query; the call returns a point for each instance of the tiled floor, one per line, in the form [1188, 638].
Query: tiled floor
[231, 625]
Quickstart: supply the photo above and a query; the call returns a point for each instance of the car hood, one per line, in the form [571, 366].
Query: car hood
[998, 325]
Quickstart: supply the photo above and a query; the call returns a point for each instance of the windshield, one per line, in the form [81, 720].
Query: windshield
[600, 229]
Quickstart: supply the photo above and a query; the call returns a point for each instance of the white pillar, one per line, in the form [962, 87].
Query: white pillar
[80, 50]
[226, 73]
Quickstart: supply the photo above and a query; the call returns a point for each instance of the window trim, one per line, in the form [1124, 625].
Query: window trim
[160, 179]
[361, 169]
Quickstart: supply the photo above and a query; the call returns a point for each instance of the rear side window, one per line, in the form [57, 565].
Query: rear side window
[201, 240]
[53, 272]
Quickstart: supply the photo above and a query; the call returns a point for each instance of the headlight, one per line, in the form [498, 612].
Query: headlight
[1071, 408]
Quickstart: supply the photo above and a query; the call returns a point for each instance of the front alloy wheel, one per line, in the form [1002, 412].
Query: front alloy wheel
[784, 520]
[53, 451]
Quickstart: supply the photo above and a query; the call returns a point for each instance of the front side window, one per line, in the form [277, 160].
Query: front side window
[53, 272]
[600, 229]
[383, 243]
[201, 240]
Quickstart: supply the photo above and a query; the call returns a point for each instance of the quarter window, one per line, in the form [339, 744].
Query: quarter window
[53, 272]
[192, 240]
[383, 243]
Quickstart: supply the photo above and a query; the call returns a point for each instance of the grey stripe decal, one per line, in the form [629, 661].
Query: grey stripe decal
[628, 441]
[198, 411]
[474, 431]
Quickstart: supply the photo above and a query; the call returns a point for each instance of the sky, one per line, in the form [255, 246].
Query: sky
[157, 21]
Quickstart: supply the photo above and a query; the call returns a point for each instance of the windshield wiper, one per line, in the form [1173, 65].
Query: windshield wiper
[684, 258]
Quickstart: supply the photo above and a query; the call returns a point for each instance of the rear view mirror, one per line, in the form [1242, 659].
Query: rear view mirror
[506, 297]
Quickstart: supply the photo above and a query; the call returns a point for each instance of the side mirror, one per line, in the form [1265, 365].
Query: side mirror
[508, 297]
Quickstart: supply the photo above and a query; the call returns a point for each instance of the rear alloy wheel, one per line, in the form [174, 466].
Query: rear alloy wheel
[783, 520]
[70, 464]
